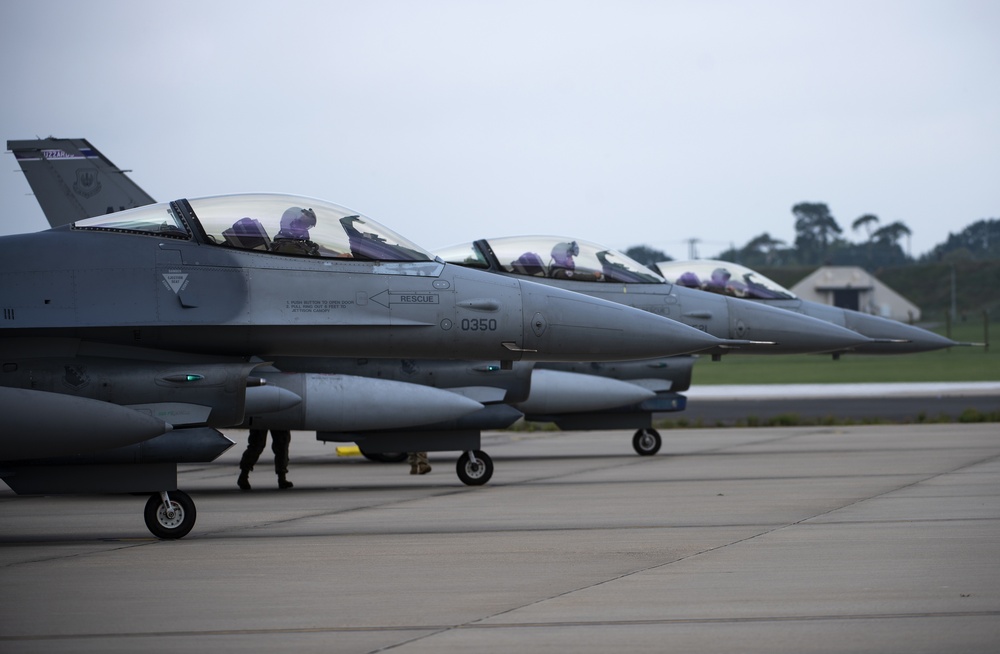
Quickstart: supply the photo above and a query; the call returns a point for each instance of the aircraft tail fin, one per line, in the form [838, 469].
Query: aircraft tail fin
[72, 180]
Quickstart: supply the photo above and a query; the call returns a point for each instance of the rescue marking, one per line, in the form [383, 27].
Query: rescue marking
[386, 298]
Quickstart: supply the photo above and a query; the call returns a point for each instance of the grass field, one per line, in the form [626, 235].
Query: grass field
[953, 364]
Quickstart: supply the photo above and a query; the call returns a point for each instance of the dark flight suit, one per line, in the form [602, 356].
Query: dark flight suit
[295, 246]
[280, 439]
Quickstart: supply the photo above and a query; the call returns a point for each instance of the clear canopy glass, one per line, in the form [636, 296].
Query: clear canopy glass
[724, 278]
[554, 256]
[267, 222]
[151, 219]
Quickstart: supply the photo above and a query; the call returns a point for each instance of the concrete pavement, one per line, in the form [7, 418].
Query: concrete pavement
[836, 539]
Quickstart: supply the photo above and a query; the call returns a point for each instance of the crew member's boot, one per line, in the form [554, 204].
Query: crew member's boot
[283, 481]
[423, 467]
[243, 481]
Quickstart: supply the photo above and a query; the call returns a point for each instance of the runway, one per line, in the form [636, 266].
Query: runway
[742, 405]
[798, 539]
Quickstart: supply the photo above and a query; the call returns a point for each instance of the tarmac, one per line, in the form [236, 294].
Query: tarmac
[762, 404]
[870, 538]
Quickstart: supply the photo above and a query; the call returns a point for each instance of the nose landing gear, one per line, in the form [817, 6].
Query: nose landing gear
[169, 515]
[474, 467]
[647, 442]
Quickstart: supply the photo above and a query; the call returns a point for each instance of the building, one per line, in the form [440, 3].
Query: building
[850, 287]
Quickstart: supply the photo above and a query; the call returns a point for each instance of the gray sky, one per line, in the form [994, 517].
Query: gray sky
[621, 122]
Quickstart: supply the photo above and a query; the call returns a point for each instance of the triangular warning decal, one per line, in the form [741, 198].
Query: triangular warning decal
[175, 281]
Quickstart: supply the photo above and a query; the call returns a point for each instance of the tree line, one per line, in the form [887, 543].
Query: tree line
[819, 241]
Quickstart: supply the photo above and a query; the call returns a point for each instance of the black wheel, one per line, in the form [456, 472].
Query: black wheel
[384, 457]
[647, 442]
[174, 522]
[475, 474]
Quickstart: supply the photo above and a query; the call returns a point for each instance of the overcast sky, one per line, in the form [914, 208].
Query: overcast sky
[621, 122]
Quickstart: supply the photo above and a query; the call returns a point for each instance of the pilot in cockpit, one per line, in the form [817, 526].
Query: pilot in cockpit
[690, 280]
[563, 265]
[293, 238]
[722, 282]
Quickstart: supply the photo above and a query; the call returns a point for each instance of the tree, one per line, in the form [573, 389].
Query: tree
[765, 245]
[891, 233]
[815, 230]
[646, 255]
[866, 221]
[980, 240]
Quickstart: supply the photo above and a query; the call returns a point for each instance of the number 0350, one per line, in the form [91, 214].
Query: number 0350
[479, 324]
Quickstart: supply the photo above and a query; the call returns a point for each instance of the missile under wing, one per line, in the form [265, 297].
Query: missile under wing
[734, 280]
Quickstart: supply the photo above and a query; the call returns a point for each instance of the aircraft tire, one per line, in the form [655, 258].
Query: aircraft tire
[647, 442]
[169, 527]
[475, 474]
[384, 457]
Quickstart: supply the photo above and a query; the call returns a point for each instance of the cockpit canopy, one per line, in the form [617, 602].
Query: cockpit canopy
[285, 224]
[551, 256]
[724, 278]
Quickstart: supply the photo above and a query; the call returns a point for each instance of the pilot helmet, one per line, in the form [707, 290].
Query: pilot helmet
[296, 222]
[720, 275]
[563, 253]
[689, 279]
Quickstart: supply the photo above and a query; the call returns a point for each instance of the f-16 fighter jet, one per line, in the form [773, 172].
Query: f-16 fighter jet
[160, 309]
[733, 280]
[71, 178]
[599, 271]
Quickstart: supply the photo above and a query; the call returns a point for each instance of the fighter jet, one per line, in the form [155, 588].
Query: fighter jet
[133, 308]
[53, 166]
[887, 337]
[734, 280]
[601, 272]
[598, 271]
[620, 280]
[72, 179]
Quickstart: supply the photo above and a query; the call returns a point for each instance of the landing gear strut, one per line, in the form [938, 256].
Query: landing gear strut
[169, 515]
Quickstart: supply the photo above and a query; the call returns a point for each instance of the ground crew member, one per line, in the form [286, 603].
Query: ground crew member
[280, 439]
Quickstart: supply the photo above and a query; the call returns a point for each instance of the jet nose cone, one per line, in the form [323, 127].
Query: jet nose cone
[894, 337]
[791, 333]
[560, 325]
